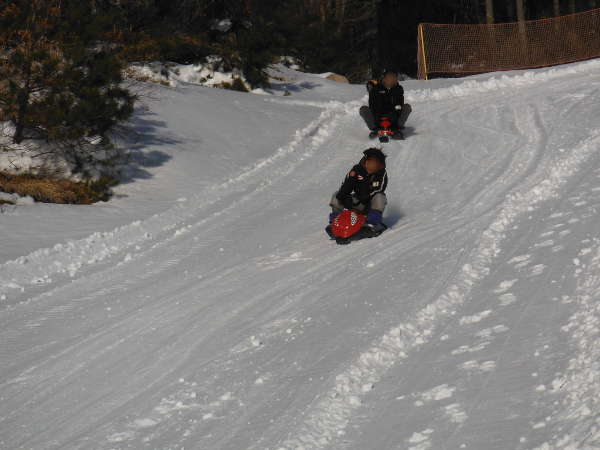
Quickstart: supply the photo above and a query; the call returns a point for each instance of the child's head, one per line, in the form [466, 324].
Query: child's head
[390, 79]
[374, 160]
[372, 165]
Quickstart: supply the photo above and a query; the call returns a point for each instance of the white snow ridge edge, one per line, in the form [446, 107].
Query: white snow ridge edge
[476, 87]
[328, 418]
[581, 404]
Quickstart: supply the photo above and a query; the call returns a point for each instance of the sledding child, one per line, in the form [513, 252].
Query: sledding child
[363, 190]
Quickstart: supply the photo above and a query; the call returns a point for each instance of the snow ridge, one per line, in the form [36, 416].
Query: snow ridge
[472, 87]
[581, 405]
[331, 414]
[476, 87]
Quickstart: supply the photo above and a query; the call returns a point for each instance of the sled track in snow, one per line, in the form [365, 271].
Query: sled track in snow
[331, 414]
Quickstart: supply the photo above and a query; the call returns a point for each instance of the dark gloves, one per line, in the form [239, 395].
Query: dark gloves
[348, 202]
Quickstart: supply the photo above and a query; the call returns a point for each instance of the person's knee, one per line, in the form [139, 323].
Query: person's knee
[407, 108]
[335, 202]
[361, 207]
[364, 111]
[374, 217]
[334, 199]
[379, 202]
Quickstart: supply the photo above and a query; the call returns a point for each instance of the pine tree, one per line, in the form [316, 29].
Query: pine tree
[60, 81]
[28, 60]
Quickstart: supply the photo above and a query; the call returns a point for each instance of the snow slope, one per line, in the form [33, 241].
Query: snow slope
[217, 316]
[182, 141]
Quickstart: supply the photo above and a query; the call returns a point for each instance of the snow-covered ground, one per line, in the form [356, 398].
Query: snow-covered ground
[203, 308]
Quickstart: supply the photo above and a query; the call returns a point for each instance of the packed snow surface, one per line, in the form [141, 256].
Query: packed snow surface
[204, 308]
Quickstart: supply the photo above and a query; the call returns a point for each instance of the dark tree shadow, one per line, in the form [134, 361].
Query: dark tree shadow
[143, 133]
[282, 87]
[393, 215]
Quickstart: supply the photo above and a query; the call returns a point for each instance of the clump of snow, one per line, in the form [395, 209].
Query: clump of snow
[468, 320]
[505, 286]
[455, 413]
[144, 423]
[223, 25]
[476, 366]
[89, 160]
[214, 72]
[290, 62]
[437, 393]
[581, 383]
[325, 74]
[17, 199]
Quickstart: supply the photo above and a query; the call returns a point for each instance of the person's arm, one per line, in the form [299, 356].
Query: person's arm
[375, 102]
[401, 96]
[344, 195]
[372, 100]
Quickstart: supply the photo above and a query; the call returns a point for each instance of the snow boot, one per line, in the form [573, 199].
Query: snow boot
[329, 232]
[374, 226]
[332, 217]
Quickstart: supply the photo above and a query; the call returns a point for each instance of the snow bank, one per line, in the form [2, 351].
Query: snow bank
[17, 199]
[476, 86]
[39, 158]
[290, 62]
[213, 73]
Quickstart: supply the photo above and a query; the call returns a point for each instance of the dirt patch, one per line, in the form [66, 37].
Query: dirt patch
[51, 190]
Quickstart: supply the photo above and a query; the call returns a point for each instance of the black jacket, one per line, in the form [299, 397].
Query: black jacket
[362, 185]
[384, 101]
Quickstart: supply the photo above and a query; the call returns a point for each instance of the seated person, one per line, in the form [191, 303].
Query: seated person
[363, 190]
[386, 99]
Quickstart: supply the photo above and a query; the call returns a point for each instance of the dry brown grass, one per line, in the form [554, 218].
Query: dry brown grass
[51, 190]
[236, 85]
[144, 78]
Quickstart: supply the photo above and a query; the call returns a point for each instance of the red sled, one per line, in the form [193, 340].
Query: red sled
[386, 132]
[351, 226]
[347, 224]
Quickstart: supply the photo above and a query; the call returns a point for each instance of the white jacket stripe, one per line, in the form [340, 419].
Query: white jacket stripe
[383, 185]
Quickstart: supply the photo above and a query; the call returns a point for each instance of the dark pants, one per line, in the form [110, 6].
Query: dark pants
[398, 118]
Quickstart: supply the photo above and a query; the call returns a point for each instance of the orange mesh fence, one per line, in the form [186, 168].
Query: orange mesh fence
[469, 49]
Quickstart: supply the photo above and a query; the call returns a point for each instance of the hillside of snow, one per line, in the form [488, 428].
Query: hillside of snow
[204, 308]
